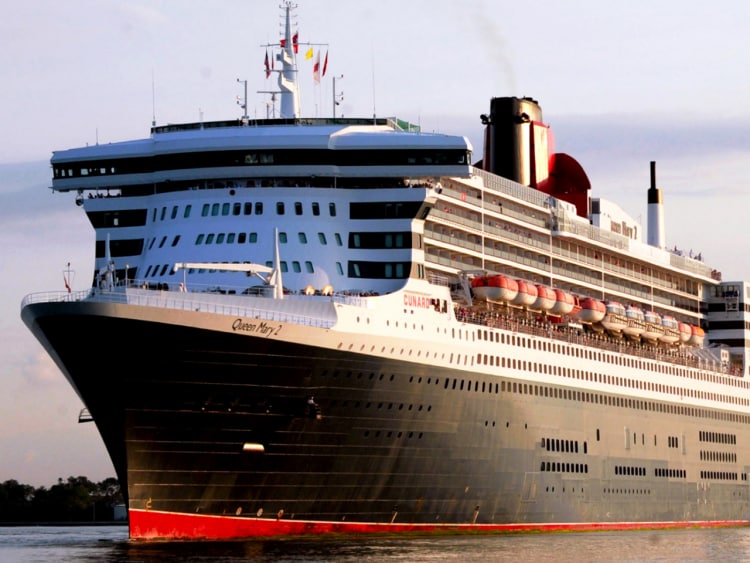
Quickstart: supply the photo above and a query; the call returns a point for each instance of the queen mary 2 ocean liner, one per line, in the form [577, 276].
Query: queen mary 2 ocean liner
[340, 325]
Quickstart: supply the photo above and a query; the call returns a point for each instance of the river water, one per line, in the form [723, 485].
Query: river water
[101, 544]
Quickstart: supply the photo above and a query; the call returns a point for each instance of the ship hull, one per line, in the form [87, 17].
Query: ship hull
[216, 433]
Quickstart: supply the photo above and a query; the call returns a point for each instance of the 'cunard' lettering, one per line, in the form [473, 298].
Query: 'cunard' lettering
[261, 328]
[421, 301]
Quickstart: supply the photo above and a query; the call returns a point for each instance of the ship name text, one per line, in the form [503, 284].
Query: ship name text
[262, 328]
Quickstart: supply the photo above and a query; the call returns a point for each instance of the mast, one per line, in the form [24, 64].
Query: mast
[288, 74]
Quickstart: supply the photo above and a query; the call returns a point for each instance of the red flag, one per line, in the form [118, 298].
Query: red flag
[325, 64]
[295, 37]
[316, 69]
[268, 68]
[67, 285]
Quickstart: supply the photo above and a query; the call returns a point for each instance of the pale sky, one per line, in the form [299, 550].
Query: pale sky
[619, 85]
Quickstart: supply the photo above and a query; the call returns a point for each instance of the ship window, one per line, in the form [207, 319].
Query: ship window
[230, 238]
[163, 213]
[148, 270]
[163, 240]
[199, 239]
[279, 208]
[339, 268]
[269, 264]
[315, 208]
[259, 208]
[153, 215]
[284, 267]
[214, 209]
[220, 238]
[188, 208]
[282, 238]
[210, 238]
[298, 208]
[322, 238]
[204, 211]
[332, 209]
[164, 269]
[296, 267]
[338, 239]
[151, 245]
[174, 212]
[252, 238]
[248, 208]
[302, 238]
[176, 240]
[242, 238]
[225, 208]
[308, 266]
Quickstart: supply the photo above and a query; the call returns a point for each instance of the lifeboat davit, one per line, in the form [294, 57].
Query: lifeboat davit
[494, 288]
[545, 299]
[685, 332]
[697, 335]
[636, 321]
[614, 319]
[671, 330]
[564, 303]
[654, 328]
[527, 294]
[592, 310]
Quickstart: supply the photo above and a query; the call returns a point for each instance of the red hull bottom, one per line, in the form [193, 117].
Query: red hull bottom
[155, 525]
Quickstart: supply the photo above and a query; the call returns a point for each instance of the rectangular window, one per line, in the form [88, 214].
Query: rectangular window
[188, 208]
[296, 267]
[241, 238]
[236, 208]
[282, 238]
[248, 208]
[284, 268]
[315, 208]
[220, 238]
[176, 240]
[259, 208]
[302, 238]
[163, 213]
[230, 238]
[308, 266]
[215, 210]
[339, 268]
[279, 208]
[199, 239]
[332, 209]
[322, 238]
[205, 210]
[210, 238]
[252, 238]
[174, 212]
[225, 208]
[163, 240]
[338, 239]
[298, 208]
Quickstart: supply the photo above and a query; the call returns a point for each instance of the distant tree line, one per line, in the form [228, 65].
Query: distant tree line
[74, 500]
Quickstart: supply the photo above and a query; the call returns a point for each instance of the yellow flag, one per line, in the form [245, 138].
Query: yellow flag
[309, 53]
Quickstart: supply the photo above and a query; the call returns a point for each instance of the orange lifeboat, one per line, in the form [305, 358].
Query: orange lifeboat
[696, 336]
[636, 321]
[527, 294]
[614, 319]
[592, 310]
[545, 299]
[671, 330]
[654, 328]
[685, 332]
[494, 288]
[564, 303]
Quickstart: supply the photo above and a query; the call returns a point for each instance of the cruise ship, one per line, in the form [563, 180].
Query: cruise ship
[347, 326]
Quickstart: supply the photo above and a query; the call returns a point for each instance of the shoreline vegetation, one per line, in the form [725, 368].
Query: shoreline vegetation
[74, 501]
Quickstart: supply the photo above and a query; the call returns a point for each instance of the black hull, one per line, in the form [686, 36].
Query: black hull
[385, 440]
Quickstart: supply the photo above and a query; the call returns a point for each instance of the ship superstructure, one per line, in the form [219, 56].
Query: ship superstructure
[345, 325]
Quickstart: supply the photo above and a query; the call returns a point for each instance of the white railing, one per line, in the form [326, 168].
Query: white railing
[187, 301]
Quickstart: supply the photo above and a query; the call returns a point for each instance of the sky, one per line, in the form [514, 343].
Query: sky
[620, 84]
